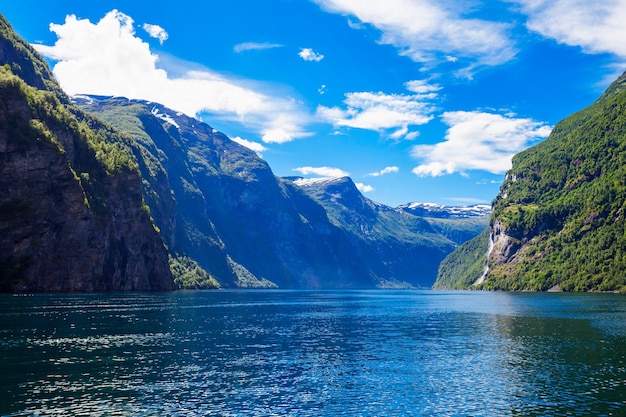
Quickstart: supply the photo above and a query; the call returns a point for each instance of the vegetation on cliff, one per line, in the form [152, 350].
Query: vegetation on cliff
[465, 265]
[562, 207]
[71, 211]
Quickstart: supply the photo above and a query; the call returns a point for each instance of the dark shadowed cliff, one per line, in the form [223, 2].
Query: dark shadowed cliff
[72, 216]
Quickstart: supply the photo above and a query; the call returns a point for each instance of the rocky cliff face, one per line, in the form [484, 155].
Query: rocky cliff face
[71, 212]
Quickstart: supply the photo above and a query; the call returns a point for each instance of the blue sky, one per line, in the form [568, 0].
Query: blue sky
[416, 100]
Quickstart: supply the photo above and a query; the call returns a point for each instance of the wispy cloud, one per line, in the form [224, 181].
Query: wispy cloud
[378, 111]
[595, 26]
[156, 32]
[322, 171]
[309, 54]
[384, 171]
[478, 140]
[422, 87]
[467, 200]
[255, 46]
[427, 31]
[107, 58]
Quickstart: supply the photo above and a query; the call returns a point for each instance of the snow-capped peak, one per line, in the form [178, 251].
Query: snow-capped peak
[439, 210]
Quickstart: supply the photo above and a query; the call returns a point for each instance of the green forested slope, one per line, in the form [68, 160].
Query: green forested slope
[559, 219]
[465, 265]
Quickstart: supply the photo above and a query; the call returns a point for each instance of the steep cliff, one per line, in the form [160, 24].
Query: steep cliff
[559, 219]
[72, 216]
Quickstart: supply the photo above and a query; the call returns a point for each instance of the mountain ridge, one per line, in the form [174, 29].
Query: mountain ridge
[232, 185]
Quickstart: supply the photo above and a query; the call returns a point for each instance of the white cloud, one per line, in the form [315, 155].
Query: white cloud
[432, 31]
[107, 58]
[364, 188]
[322, 171]
[309, 54]
[380, 112]
[384, 171]
[422, 87]
[478, 140]
[156, 32]
[596, 26]
[255, 146]
[255, 46]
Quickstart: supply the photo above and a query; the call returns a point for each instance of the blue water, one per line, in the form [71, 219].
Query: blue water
[313, 353]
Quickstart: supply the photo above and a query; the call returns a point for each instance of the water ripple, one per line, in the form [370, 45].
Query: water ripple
[299, 353]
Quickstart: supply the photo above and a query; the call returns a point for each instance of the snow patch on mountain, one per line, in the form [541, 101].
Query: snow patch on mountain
[163, 116]
[439, 210]
[320, 181]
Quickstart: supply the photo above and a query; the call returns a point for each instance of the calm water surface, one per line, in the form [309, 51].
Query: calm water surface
[310, 353]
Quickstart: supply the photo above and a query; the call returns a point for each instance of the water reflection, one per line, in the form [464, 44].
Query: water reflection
[300, 353]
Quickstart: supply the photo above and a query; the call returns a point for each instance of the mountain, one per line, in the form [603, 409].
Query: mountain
[108, 194]
[243, 225]
[392, 242]
[248, 228]
[559, 220]
[72, 216]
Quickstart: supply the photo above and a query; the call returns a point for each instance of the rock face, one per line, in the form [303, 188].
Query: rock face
[558, 221]
[71, 211]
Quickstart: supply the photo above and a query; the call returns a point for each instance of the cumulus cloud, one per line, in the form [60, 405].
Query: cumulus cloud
[478, 140]
[431, 31]
[156, 32]
[255, 46]
[364, 188]
[383, 112]
[254, 146]
[309, 54]
[322, 171]
[595, 26]
[384, 171]
[107, 58]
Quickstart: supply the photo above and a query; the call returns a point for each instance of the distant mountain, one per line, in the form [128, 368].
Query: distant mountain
[559, 219]
[393, 243]
[447, 212]
[72, 216]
